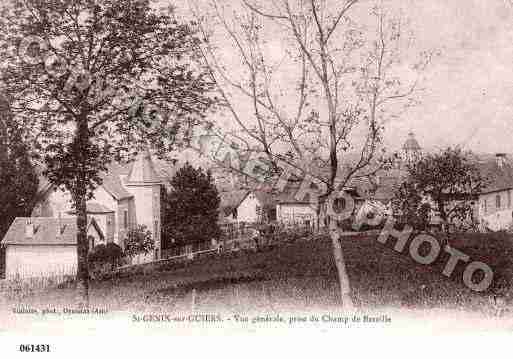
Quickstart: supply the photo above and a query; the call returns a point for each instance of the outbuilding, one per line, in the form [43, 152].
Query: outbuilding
[44, 247]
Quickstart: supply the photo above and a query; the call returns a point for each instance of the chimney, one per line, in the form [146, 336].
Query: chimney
[501, 159]
[29, 229]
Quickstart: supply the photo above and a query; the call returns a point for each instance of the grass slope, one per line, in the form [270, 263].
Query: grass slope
[302, 275]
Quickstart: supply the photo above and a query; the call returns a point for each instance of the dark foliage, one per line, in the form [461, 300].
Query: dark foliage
[18, 177]
[109, 253]
[102, 79]
[449, 179]
[138, 241]
[190, 209]
[409, 206]
[2, 262]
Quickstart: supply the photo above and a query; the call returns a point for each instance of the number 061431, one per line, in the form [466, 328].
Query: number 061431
[34, 348]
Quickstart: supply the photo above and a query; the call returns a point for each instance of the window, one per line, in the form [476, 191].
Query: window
[272, 214]
[125, 219]
[339, 204]
[509, 198]
[485, 205]
[498, 201]
[91, 242]
[258, 211]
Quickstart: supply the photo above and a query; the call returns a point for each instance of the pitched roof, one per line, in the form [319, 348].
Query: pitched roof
[498, 177]
[411, 143]
[143, 171]
[48, 231]
[266, 198]
[95, 208]
[386, 189]
[232, 199]
[288, 196]
[111, 182]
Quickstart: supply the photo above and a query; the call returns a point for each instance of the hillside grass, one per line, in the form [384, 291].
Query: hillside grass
[302, 275]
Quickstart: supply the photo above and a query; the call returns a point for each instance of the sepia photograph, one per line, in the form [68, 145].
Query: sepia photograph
[190, 168]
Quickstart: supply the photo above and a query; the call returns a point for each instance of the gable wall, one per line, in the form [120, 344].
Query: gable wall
[247, 210]
[496, 217]
[60, 201]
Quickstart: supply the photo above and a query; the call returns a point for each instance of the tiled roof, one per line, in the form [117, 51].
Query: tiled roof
[111, 182]
[95, 208]
[143, 170]
[112, 177]
[232, 199]
[266, 198]
[288, 196]
[47, 231]
[498, 177]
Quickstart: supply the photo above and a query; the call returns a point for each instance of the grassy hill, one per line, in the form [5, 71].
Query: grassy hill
[302, 275]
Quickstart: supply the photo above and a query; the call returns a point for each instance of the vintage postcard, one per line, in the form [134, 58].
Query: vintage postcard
[254, 167]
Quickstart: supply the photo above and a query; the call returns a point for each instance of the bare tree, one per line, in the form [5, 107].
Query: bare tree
[309, 83]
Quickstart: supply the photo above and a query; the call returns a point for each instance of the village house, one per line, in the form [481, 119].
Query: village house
[248, 206]
[128, 196]
[494, 206]
[45, 247]
[290, 210]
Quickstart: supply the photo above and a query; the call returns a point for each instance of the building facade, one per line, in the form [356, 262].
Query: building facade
[44, 247]
[494, 206]
[129, 196]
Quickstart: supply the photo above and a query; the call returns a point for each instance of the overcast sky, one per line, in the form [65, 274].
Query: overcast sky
[469, 88]
[469, 98]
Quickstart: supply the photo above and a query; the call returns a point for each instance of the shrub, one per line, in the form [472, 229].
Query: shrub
[113, 252]
[98, 253]
[138, 241]
[190, 210]
[104, 258]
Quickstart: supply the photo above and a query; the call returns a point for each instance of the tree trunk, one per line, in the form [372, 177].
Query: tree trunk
[82, 251]
[343, 278]
[443, 217]
[82, 146]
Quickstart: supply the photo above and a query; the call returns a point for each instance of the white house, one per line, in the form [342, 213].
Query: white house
[495, 208]
[44, 247]
[129, 196]
[290, 209]
[249, 206]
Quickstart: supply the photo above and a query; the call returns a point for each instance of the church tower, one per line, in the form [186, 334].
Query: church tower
[145, 185]
[411, 150]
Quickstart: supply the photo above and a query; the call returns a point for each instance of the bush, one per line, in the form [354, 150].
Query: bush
[104, 258]
[97, 254]
[138, 241]
[190, 210]
[113, 252]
